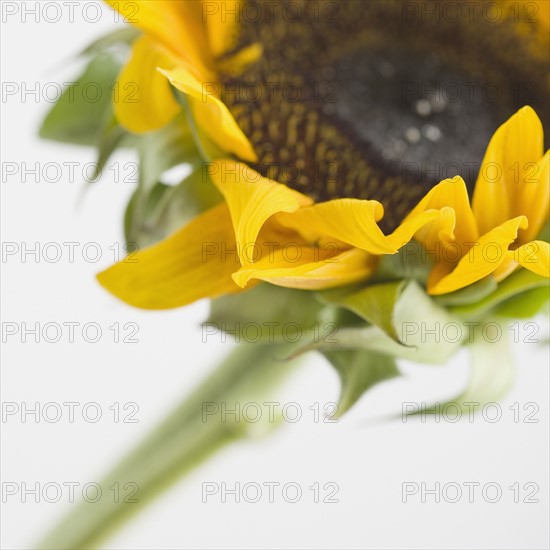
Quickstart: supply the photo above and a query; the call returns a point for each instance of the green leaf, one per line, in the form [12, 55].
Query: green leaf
[420, 323]
[131, 231]
[411, 262]
[270, 313]
[544, 234]
[416, 309]
[493, 370]
[149, 215]
[120, 37]
[514, 285]
[167, 208]
[112, 138]
[185, 201]
[165, 148]
[71, 121]
[492, 375]
[374, 303]
[525, 305]
[470, 295]
[359, 371]
[85, 107]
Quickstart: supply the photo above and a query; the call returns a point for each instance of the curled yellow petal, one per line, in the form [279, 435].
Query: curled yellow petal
[195, 262]
[143, 99]
[305, 268]
[534, 256]
[352, 221]
[457, 221]
[355, 222]
[421, 225]
[507, 267]
[485, 257]
[177, 25]
[252, 200]
[221, 18]
[543, 13]
[210, 113]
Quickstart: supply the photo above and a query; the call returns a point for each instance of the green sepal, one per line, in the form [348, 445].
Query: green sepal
[525, 305]
[113, 137]
[359, 371]
[149, 215]
[167, 208]
[415, 313]
[86, 122]
[77, 117]
[515, 285]
[412, 261]
[269, 313]
[165, 148]
[374, 303]
[471, 294]
[121, 37]
[544, 234]
[492, 371]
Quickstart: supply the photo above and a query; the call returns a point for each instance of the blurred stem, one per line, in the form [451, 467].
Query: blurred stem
[183, 441]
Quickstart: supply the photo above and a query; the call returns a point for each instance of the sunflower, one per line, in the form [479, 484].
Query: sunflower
[324, 125]
[348, 158]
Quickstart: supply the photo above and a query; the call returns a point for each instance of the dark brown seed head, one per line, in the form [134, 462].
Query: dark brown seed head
[381, 100]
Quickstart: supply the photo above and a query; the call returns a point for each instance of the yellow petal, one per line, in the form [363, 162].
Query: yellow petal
[513, 151]
[506, 268]
[178, 25]
[482, 260]
[438, 273]
[238, 61]
[221, 18]
[195, 262]
[210, 113]
[458, 224]
[421, 225]
[543, 14]
[534, 256]
[252, 200]
[143, 99]
[352, 221]
[535, 199]
[293, 266]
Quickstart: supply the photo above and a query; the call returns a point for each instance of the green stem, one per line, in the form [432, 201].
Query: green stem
[180, 443]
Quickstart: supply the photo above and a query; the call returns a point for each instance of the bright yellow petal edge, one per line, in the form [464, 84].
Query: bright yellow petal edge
[180, 46]
[510, 206]
[267, 231]
[195, 262]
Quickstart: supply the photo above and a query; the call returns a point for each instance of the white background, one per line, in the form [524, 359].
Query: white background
[369, 462]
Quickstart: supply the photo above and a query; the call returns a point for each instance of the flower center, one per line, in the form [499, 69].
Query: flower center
[360, 102]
